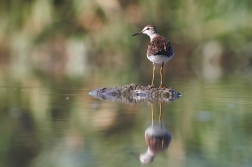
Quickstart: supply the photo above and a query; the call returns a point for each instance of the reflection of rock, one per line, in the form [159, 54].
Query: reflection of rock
[157, 138]
[133, 94]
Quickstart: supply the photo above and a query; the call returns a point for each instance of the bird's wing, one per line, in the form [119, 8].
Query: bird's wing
[160, 46]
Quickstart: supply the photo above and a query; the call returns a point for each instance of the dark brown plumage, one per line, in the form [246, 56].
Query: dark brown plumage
[159, 46]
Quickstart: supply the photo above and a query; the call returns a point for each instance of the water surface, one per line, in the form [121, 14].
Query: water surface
[59, 124]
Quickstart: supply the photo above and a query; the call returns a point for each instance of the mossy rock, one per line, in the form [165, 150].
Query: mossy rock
[133, 94]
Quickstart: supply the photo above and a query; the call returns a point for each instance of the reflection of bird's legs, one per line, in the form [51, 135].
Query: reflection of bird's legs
[161, 76]
[153, 73]
[160, 113]
[152, 114]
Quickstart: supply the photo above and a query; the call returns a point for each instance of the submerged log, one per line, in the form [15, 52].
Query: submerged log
[133, 94]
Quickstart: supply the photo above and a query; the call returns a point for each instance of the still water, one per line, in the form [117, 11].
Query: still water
[57, 123]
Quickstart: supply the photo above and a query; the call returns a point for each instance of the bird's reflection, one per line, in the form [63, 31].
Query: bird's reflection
[157, 138]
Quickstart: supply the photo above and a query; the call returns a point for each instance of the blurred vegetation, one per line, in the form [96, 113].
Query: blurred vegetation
[100, 31]
[52, 52]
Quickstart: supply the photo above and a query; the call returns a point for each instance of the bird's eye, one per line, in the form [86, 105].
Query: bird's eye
[147, 28]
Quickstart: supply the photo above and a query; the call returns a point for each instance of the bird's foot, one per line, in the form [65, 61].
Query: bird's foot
[161, 86]
[151, 86]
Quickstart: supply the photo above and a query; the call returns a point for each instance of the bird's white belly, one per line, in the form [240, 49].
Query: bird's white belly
[159, 59]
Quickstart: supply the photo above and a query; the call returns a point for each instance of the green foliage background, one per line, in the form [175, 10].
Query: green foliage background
[104, 28]
[53, 52]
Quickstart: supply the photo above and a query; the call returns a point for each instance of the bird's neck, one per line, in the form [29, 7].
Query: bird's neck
[152, 36]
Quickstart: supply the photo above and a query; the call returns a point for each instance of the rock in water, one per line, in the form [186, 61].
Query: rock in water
[133, 94]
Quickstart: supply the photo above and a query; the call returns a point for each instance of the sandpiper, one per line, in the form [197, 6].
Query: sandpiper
[159, 50]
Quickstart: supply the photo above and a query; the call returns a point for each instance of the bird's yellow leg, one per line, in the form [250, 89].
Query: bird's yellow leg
[152, 114]
[160, 113]
[153, 73]
[161, 76]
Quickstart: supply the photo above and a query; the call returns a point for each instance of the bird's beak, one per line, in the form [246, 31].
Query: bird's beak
[137, 33]
[135, 155]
